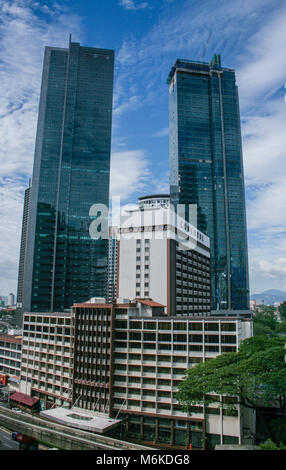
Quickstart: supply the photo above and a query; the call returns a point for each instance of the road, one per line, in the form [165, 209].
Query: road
[6, 443]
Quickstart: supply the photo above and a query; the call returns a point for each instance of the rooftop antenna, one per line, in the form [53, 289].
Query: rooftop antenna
[70, 39]
[206, 45]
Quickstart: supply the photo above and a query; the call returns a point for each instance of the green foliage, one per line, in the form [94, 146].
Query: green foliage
[270, 445]
[259, 328]
[278, 429]
[256, 372]
[265, 321]
[281, 328]
[282, 311]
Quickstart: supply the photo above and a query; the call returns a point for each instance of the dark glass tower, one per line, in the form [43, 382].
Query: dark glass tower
[63, 264]
[23, 247]
[206, 169]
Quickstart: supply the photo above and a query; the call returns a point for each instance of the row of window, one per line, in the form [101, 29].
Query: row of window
[175, 326]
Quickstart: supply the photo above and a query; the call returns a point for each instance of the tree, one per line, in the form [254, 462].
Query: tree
[282, 311]
[259, 328]
[270, 445]
[254, 374]
[281, 328]
[264, 321]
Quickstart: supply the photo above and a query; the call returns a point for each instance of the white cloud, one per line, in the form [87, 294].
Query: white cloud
[11, 204]
[129, 173]
[264, 61]
[162, 133]
[132, 103]
[274, 270]
[264, 143]
[267, 259]
[22, 56]
[131, 5]
[267, 210]
[23, 36]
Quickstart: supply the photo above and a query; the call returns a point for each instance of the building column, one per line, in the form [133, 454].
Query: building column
[188, 433]
[172, 433]
[156, 430]
[127, 424]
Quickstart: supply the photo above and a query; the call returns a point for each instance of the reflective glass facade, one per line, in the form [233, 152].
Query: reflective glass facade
[206, 169]
[63, 264]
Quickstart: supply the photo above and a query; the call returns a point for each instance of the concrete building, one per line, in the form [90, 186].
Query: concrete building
[11, 299]
[122, 363]
[130, 358]
[162, 256]
[47, 358]
[154, 201]
[10, 359]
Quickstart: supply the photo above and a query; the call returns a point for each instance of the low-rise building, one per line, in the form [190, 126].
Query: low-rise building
[130, 358]
[10, 359]
[124, 361]
[47, 358]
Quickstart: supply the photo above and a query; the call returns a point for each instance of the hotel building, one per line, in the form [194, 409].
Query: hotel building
[161, 256]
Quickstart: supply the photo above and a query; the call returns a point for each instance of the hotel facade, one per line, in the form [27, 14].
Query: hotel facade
[125, 361]
[161, 256]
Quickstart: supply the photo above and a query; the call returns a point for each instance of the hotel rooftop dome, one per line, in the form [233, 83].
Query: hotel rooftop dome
[153, 201]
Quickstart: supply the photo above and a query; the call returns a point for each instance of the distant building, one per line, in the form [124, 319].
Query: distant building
[11, 300]
[23, 247]
[3, 301]
[277, 304]
[112, 272]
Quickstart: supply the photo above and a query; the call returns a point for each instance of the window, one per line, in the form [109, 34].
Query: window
[180, 326]
[228, 327]
[149, 336]
[164, 337]
[164, 326]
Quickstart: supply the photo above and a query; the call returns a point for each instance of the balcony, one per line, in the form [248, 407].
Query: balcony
[164, 400]
[149, 374]
[166, 388]
[148, 386]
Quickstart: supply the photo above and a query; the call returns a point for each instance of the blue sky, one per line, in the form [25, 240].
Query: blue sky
[148, 36]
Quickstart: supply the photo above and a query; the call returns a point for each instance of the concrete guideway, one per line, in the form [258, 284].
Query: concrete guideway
[64, 437]
[6, 443]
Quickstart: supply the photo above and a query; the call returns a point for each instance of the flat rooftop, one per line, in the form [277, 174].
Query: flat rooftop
[81, 419]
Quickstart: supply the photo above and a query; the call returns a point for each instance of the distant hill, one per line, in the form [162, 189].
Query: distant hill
[269, 297]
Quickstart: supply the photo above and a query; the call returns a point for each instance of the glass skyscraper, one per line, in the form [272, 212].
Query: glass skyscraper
[23, 246]
[71, 171]
[206, 169]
